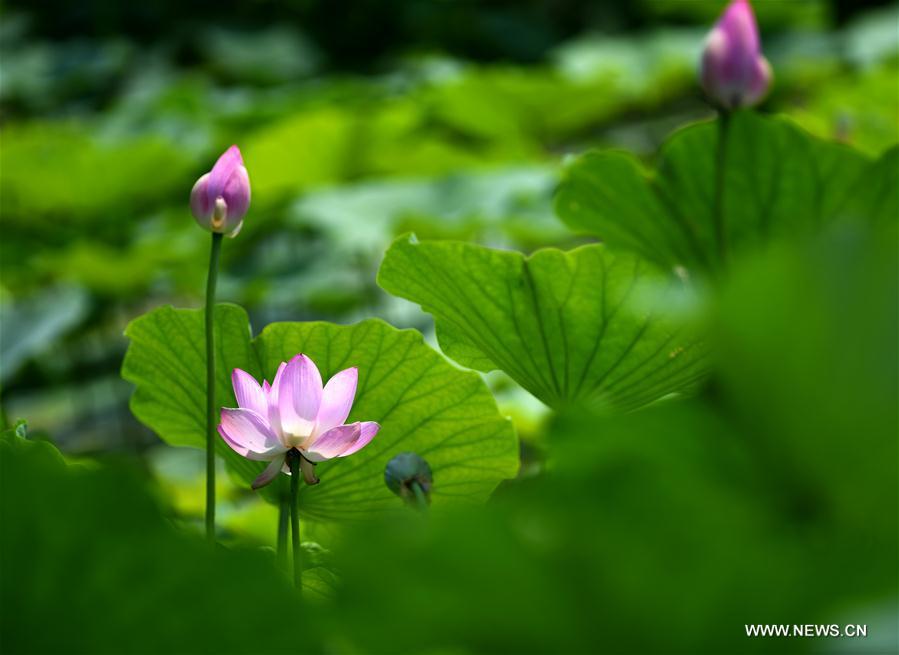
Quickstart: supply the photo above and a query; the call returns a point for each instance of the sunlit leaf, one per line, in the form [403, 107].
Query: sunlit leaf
[166, 362]
[778, 182]
[423, 403]
[583, 325]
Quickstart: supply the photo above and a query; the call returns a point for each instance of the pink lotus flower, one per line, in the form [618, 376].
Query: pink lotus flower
[295, 412]
[734, 73]
[221, 197]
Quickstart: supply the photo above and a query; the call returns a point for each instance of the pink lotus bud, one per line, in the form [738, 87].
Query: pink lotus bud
[221, 197]
[733, 71]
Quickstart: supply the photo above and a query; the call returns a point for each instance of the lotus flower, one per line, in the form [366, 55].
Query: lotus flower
[221, 197]
[733, 72]
[294, 412]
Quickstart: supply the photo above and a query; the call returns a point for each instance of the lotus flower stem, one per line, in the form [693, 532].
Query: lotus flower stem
[211, 409]
[421, 499]
[293, 461]
[720, 164]
[283, 521]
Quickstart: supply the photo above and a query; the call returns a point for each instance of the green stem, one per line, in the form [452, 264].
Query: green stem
[210, 384]
[421, 501]
[283, 520]
[720, 164]
[293, 459]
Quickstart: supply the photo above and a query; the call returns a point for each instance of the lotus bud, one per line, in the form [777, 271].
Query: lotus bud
[734, 73]
[409, 477]
[221, 197]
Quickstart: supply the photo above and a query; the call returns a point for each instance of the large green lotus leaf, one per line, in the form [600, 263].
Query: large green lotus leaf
[579, 326]
[423, 403]
[166, 362]
[778, 181]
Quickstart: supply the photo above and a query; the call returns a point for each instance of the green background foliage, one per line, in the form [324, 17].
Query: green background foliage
[91, 547]
[727, 456]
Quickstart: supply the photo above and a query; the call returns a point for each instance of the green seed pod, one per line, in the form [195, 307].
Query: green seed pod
[409, 477]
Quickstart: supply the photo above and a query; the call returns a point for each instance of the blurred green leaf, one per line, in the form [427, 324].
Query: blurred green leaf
[651, 514]
[584, 325]
[859, 107]
[402, 137]
[277, 54]
[319, 584]
[610, 74]
[778, 182]
[32, 325]
[56, 174]
[422, 402]
[499, 204]
[306, 149]
[123, 272]
[871, 38]
[880, 202]
[90, 547]
[807, 341]
[772, 495]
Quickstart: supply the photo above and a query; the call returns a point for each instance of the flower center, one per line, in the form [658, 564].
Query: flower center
[300, 439]
[219, 213]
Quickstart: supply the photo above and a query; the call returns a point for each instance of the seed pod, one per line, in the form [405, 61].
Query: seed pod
[409, 477]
